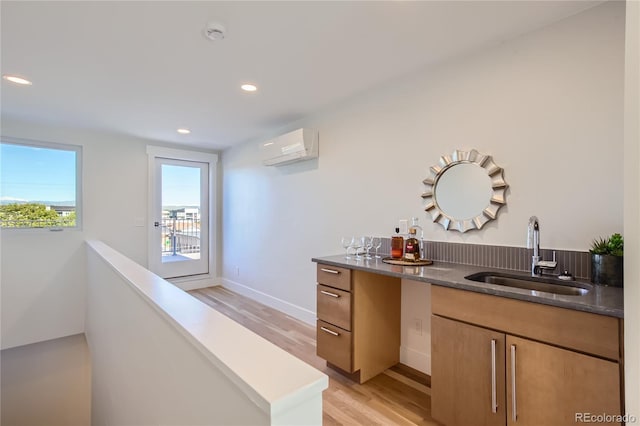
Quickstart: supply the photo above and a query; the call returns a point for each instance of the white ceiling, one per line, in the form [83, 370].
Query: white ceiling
[144, 68]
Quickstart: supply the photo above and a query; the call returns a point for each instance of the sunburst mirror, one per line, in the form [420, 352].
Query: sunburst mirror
[464, 190]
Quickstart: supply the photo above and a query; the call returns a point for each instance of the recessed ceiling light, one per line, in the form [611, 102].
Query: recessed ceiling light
[184, 131]
[17, 80]
[249, 87]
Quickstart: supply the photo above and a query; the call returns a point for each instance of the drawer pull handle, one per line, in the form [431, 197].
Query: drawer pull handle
[330, 294]
[330, 271]
[326, 330]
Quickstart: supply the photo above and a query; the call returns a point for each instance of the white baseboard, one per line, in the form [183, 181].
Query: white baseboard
[415, 359]
[194, 283]
[290, 309]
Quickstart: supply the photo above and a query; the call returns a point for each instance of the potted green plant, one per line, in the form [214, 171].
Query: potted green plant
[607, 260]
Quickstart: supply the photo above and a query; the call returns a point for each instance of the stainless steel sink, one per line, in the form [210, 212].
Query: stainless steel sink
[546, 285]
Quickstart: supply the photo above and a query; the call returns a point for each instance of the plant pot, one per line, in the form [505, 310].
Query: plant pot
[607, 270]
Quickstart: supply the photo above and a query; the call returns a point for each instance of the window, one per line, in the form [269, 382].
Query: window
[39, 185]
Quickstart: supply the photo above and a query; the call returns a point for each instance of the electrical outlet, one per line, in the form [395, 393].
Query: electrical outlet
[417, 326]
[404, 226]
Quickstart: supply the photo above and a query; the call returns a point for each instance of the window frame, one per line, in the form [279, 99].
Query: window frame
[78, 176]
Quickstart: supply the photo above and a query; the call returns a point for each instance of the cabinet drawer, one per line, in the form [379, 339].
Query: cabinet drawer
[334, 306]
[334, 345]
[334, 277]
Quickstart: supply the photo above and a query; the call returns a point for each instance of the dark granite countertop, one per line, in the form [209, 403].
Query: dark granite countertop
[599, 300]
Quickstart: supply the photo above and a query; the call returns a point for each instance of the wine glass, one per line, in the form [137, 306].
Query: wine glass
[367, 243]
[347, 243]
[357, 245]
[376, 243]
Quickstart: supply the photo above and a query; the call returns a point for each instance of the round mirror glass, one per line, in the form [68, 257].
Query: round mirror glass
[463, 191]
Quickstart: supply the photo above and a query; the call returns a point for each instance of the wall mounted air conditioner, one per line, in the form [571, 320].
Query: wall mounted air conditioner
[299, 145]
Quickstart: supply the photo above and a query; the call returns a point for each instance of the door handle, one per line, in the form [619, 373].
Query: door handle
[330, 294]
[514, 411]
[494, 399]
[331, 271]
[156, 224]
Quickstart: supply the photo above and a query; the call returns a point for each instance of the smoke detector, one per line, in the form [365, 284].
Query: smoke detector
[215, 31]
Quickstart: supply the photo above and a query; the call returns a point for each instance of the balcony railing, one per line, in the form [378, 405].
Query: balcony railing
[180, 236]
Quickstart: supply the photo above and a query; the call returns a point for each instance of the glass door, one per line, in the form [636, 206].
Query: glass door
[180, 243]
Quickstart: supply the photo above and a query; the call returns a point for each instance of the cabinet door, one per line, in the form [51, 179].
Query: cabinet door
[467, 374]
[555, 386]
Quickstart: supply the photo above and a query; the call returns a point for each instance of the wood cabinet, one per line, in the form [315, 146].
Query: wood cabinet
[552, 384]
[503, 361]
[358, 328]
[467, 374]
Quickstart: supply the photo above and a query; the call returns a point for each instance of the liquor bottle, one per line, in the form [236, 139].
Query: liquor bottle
[397, 245]
[419, 235]
[412, 247]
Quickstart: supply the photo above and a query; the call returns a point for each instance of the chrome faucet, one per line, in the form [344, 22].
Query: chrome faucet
[533, 241]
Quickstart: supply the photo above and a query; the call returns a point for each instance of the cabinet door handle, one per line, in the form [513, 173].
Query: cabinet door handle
[494, 398]
[330, 294]
[330, 271]
[514, 411]
[326, 330]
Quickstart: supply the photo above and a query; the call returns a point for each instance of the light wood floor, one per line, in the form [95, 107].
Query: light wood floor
[400, 396]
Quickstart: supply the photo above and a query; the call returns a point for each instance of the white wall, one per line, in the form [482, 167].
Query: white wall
[160, 356]
[548, 106]
[143, 370]
[43, 273]
[415, 320]
[632, 209]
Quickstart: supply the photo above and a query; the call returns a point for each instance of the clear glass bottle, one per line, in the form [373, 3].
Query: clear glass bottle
[419, 234]
[412, 247]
